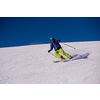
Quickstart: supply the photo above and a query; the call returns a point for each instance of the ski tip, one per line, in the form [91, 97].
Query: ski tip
[55, 61]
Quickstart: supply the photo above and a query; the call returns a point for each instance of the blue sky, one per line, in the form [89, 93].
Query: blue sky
[19, 31]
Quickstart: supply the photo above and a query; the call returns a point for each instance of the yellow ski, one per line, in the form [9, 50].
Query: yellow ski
[65, 60]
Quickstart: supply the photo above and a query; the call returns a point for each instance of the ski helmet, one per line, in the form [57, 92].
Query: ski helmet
[51, 38]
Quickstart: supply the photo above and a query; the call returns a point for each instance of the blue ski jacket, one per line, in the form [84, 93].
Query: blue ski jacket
[55, 45]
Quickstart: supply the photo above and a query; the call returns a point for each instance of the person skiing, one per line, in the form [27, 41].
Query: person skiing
[58, 49]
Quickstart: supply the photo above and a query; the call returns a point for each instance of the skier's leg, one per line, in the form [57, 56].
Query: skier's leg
[64, 53]
[57, 54]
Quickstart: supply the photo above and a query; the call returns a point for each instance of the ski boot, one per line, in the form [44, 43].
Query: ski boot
[70, 58]
[62, 58]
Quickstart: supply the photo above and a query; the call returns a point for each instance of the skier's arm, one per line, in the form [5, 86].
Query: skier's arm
[58, 40]
[51, 47]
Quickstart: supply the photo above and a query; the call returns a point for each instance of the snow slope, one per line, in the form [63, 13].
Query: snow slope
[34, 65]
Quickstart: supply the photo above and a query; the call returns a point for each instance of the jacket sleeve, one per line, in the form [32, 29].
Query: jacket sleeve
[51, 47]
[58, 40]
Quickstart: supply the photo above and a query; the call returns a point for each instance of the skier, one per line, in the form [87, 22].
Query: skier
[58, 49]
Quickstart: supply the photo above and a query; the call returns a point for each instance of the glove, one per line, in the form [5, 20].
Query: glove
[48, 51]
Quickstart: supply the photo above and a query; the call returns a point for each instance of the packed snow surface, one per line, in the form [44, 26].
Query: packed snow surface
[34, 65]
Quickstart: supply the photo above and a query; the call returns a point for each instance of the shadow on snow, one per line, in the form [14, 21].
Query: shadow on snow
[77, 56]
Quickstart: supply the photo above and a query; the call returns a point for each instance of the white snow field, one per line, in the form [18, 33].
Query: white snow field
[34, 65]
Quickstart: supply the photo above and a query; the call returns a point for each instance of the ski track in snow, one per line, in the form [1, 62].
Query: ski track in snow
[34, 65]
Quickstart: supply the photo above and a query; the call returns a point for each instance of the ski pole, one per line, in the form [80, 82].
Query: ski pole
[53, 55]
[68, 45]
